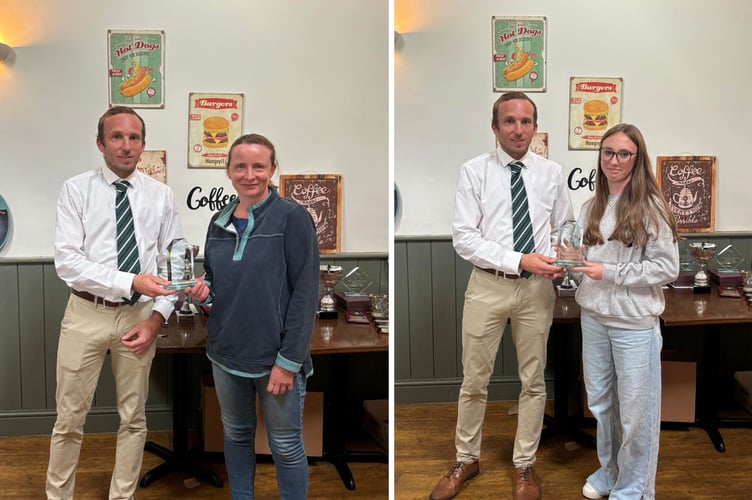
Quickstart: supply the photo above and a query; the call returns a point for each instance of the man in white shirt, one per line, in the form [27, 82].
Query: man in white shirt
[109, 309]
[506, 283]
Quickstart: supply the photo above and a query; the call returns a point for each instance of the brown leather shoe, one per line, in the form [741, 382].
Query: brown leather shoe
[525, 484]
[452, 482]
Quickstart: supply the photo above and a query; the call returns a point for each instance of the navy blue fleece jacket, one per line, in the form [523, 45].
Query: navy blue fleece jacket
[264, 287]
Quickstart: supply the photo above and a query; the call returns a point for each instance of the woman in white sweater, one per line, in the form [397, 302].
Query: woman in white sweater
[631, 251]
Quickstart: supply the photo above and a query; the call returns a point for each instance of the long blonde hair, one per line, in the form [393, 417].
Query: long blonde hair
[640, 206]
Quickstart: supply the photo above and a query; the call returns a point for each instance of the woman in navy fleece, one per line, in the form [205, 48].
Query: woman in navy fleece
[262, 265]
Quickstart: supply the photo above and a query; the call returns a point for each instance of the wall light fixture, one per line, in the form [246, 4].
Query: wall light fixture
[4, 52]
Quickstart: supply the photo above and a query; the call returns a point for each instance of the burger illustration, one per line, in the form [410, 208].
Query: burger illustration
[596, 114]
[216, 132]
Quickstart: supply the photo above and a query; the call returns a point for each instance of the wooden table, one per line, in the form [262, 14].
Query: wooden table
[330, 337]
[337, 336]
[711, 312]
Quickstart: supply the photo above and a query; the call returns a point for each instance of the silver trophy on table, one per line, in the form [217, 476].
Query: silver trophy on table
[702, 253]
[329, 276]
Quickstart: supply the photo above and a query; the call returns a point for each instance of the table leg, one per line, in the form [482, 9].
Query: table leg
[179, 458]
[561, 422]
[334, 422]
[708, 418]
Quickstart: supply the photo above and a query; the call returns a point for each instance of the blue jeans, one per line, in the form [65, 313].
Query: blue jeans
[622, 371]
[283, 416]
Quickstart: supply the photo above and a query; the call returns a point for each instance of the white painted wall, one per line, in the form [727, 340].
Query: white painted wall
[686, 70]
[315, 75]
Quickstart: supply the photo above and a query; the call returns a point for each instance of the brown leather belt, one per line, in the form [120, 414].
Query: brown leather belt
[95, 299]
[501, 274]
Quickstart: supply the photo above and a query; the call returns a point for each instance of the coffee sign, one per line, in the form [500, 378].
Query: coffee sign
[688, 185]
[321, 195]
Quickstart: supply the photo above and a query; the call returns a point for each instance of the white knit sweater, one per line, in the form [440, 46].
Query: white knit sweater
[630, 293]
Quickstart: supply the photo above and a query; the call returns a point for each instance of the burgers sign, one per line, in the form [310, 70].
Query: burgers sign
[214, 122]
[594, 106]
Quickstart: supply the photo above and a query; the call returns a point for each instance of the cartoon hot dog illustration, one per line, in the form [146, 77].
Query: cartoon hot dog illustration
[137, 82]
[523, 63]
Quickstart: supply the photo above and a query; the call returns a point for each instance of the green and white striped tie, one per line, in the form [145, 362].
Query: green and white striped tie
[126, 235]
[522, 227]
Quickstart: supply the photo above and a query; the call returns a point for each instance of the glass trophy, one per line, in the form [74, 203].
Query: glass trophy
[356, 282]
[702, 253]
[329, 276]
[179, 264]
[729, 259]
[187, 311]
[569, 246]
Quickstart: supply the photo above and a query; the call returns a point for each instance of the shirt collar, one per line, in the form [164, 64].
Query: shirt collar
[110, 177]
[505, 159]
[224, 217]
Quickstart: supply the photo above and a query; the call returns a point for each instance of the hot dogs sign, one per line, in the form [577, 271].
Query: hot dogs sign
[519, 53]
[136, 68]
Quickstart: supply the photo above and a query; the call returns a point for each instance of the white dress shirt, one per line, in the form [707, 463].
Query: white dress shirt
[482, 231]
[86, 256]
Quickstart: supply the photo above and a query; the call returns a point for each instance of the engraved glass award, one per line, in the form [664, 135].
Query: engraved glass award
[569, 246]
[729, 259]
[356, 282]
[178, 265]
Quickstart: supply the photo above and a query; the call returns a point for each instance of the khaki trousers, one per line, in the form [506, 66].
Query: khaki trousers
[87, 332]
[489, 302]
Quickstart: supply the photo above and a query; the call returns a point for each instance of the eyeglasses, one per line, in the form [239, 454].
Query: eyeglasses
[621, 156]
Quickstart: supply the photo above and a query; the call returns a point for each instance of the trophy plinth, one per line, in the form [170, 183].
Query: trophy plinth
[329, 276]
[178, 267]
[567, 288]
[702, 253]
[569, 246]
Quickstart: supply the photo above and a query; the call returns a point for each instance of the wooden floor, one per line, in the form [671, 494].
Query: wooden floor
[23, 465]
[688, 465]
